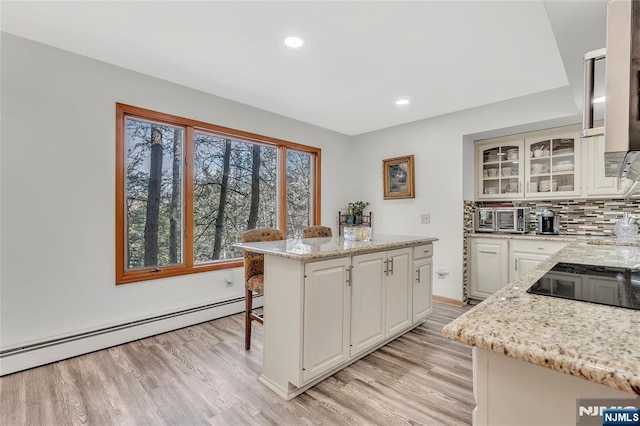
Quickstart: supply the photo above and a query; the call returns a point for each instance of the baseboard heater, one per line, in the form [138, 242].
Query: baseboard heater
[47, 351]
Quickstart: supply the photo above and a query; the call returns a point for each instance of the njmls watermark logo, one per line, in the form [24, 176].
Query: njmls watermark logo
[608, 412]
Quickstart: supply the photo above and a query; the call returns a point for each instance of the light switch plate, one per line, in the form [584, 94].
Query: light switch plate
[425, 218]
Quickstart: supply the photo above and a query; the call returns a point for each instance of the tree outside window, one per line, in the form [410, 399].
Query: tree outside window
[187, 190]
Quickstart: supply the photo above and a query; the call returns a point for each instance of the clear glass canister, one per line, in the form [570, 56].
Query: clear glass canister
[356, 233]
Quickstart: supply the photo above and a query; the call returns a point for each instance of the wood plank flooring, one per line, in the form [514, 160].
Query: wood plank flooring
[202, 375]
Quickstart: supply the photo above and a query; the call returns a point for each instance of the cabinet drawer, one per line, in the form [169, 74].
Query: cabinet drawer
[425, 250]
[542, 247]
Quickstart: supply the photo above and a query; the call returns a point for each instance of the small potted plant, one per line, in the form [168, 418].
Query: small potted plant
[357, 209]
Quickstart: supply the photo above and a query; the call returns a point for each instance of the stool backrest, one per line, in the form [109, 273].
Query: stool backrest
[316, 231]
[254, 262]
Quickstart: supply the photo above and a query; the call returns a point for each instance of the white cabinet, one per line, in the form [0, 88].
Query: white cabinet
[422, 282]
[553, 165]
[398, 290]
[367, 301]
[546, 164]
[521, 262]
[495, 262]
[534, 165]
[499, 171]
[326, 316]
[489, 266]
[381, 297]
[525, 255]
[321, 315]
[597, 184]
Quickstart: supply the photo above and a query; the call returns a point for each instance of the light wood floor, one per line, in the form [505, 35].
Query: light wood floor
[203, 375]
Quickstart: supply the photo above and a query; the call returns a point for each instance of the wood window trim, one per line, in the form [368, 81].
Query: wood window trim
[188, 267]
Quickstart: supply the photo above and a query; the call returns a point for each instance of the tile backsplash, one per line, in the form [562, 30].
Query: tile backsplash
[577, 217]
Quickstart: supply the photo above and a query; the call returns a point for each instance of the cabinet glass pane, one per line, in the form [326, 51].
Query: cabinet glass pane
[501, 169]
[563, 164]
[552, 166]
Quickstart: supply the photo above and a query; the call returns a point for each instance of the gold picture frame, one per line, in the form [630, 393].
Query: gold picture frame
[398, 177]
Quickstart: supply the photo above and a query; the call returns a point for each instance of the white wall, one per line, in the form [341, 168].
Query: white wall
[57, 185]
[58, 190]
[440, 167]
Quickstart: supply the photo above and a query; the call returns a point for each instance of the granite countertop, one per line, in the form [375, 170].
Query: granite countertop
[528, 236]
[589, 239]
[317, 248]
[595, 342]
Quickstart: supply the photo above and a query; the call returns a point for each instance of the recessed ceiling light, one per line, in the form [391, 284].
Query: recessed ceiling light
[294, 42]
[402, 101]
[599, 100]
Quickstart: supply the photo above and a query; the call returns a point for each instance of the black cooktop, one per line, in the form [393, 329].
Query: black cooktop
[605, 285]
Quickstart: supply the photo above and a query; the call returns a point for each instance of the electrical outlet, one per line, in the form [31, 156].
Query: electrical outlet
[425, 218]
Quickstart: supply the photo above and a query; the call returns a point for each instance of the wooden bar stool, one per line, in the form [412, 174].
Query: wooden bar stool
[316, 231]
[254, 275]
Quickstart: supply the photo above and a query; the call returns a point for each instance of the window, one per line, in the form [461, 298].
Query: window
[187, 190]
[234, 189]
[300, 185]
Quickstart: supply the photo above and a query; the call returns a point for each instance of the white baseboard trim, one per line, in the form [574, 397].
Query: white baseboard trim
[45, 352]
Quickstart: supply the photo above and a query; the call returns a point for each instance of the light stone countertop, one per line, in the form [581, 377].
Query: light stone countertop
[319, 248]
[595, 342]
[589, 239]
[529, 236]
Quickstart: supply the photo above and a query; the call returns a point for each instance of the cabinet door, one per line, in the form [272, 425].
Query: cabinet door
[367, 301]
[521, 263]
[398, 291]
[326, 316]
[597, 183]
[526, 254]
[553, 166]
[498, 170]
[422, 288]
[489, 269]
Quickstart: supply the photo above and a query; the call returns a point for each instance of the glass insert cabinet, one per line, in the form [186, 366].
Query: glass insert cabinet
[553, 166]
[501, 170]
[540, 167]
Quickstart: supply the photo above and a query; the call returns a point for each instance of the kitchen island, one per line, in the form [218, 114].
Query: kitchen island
[328, 302]
[535, 355]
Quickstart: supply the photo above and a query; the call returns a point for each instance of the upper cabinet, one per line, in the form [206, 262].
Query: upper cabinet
[597, 184]
[500, 172]
[553, 166]
[548, 164]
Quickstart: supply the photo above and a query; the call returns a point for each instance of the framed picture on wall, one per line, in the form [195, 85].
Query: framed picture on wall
[398, 177]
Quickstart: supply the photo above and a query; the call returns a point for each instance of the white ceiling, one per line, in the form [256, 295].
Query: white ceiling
[359, 58]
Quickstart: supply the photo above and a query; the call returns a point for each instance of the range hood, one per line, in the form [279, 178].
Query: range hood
[622, 122]
[622, 125]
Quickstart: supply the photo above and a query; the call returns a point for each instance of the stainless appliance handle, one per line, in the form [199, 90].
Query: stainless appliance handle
[589, 81]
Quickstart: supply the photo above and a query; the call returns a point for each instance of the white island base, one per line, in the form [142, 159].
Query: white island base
[342, 300]
[290, 391]
[513, 392]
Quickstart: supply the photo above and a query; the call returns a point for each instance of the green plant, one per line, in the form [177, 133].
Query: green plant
[357, 207]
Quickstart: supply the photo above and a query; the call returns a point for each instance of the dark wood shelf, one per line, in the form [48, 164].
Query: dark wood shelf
[367, 220]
